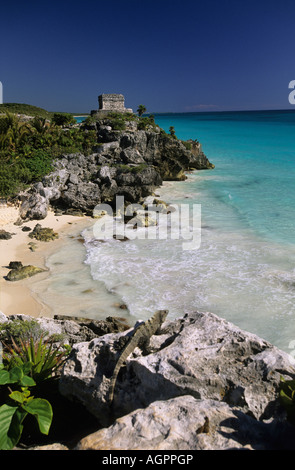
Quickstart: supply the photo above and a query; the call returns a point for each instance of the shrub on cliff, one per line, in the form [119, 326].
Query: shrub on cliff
[63, 119]
[27, 150]
[145, 122]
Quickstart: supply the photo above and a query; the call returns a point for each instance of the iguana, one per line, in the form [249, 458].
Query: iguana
[141, 337]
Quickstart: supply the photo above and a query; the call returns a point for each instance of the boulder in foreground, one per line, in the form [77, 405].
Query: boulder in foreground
[186, 423]
[199, 362]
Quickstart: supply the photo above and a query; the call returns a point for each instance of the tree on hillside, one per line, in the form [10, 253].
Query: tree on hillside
[63, 119]
[172, 132]
[141, 109]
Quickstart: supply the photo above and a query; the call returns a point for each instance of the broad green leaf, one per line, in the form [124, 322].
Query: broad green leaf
[42, 410]
[17, 396]
[11, 428]
[16, 374]
[26, 393]
[4, 377]
[27, 381]
[27, 367]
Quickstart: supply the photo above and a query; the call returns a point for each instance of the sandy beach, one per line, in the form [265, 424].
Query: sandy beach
[17, 297]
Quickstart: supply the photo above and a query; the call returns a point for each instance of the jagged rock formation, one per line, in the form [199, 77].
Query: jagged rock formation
[205, 384]
[188, 423]
[129, 162]
[199, 354]
[43, 234]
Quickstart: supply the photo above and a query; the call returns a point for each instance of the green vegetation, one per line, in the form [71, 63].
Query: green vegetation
[114, 119]
[119, 121]
[18, 403]
[25, 109]
[28, 148]
[131, 169]
[287, 397]
[63, 119]
[20, 330]
[172, 132]
[187, 145]
[28, 363]
[147, 121]
[141, 110]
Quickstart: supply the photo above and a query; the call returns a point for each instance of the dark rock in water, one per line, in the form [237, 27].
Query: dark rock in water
[23, 272]
[15, 265]
[43, 234]
[32, 246]
[19, 221]
[121, 306]
[122, 238]
[5, 235]
[26, 229]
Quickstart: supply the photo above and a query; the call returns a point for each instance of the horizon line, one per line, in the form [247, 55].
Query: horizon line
[169, 112]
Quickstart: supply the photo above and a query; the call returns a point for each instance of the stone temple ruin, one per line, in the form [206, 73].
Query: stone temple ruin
[112, 102]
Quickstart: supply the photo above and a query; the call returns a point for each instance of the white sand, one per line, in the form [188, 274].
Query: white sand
[16, 297]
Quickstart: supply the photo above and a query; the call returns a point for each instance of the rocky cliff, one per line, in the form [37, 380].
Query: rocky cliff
[128, 161]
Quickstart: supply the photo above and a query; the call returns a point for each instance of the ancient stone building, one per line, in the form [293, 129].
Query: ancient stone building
[112, 102]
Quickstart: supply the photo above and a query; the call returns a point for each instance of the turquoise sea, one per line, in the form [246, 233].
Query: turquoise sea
[80, 119]
[254, 155]
[244, 269]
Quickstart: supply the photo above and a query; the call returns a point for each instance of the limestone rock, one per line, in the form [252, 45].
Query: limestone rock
[34, 204]
[5, 235]
[129, 163]
[143, 220]
[43, 234]
[199, 355]
[72, 330]
[3, 318]
[56, 446]
[98, 327]
[23, 272]
[187, 423]
[15, 264]
[84, 196]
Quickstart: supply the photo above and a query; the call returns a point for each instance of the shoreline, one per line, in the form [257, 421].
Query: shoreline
[18, 297]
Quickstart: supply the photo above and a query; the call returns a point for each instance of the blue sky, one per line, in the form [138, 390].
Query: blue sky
[171, 56]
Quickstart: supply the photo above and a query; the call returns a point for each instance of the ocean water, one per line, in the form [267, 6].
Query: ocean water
[244, 267]
[80, 119]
